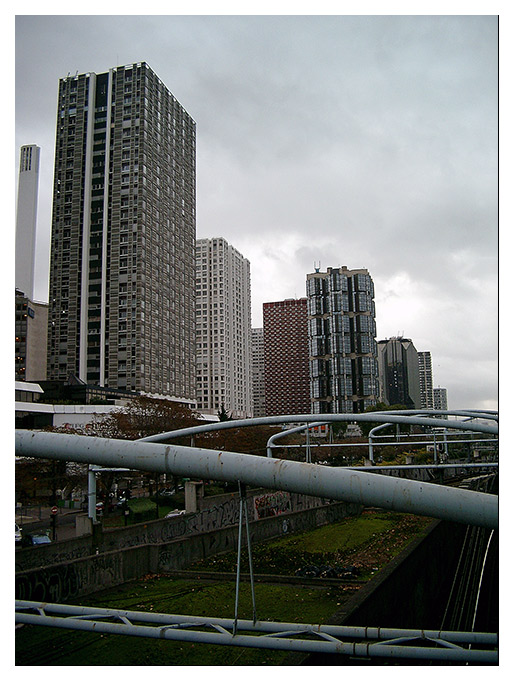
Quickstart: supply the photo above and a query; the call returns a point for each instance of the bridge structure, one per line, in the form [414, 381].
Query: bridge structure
[362, 485]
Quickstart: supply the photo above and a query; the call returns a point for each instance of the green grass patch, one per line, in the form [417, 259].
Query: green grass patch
[50, 646]
[339, 537]
[369, 542]
[141, 504]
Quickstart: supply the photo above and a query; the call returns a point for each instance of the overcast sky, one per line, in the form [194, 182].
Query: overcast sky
[365, 141]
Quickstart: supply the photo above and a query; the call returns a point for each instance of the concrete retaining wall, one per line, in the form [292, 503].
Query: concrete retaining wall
[71, 578]
[216, 513]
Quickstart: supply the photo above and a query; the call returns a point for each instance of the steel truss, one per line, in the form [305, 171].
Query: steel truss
[328, 639]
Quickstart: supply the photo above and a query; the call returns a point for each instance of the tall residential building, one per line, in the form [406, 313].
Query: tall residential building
[224, 365]
[342, 346]
[258, 373]
[399, 372]
[285, 337]
[440, 399]
[122, 272]
[425, 373]
[26, 219]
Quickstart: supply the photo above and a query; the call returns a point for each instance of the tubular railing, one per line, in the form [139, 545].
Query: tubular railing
[336, 483]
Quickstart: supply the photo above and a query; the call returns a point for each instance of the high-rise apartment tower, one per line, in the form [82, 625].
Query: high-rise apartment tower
[258, 372]
[342, 345]
[285, 339]
[122, 273]
[440, 399]
[425, 373]
[224, 366]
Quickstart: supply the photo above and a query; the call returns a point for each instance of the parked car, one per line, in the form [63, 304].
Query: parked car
[32, 539]
[175, 512]
[166, 493]
[17, 533]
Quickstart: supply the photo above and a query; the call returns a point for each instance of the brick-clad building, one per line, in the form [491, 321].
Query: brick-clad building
[285, 341]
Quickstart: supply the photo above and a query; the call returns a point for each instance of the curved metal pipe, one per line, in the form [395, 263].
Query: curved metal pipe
[276, 436]
[334, 483]
[406, 417]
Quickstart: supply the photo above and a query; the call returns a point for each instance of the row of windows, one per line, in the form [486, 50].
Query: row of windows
[339, 282]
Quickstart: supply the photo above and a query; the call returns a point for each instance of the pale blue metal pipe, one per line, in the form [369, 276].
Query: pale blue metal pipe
[406, 417]
[296, 429]
[334, 483]
[223, 637]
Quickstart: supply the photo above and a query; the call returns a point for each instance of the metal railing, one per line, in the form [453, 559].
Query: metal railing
[359, 642]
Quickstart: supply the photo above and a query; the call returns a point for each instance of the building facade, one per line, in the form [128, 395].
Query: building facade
[31, 322]
[425, 372]
[286, 357]
[258, 373]
[399, 372]
[440, 399]
[223, 315]
[26, 219]
[342, 346]
[122, 272]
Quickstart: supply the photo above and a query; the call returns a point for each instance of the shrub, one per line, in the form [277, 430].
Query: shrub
[141, 509]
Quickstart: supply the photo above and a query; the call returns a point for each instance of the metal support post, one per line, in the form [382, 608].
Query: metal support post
[249, 550]
[308, 446]
[238, 565]
[243, 509]
[370, 450]
[92, 494]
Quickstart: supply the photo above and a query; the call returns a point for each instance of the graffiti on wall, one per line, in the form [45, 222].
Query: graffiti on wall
[62, 582]
[272, 504]
[223, 514]
[56, 584]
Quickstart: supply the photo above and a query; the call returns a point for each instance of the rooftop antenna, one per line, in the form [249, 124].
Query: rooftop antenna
[317, 269]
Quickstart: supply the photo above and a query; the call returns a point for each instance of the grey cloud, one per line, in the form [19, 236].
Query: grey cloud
[366, 141]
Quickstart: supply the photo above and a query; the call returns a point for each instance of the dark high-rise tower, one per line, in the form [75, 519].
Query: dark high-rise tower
[342, 346]
[399, 375]
[122, 274]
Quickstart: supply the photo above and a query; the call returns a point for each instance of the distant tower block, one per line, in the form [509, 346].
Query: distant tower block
[26, 217]
[341, 336]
